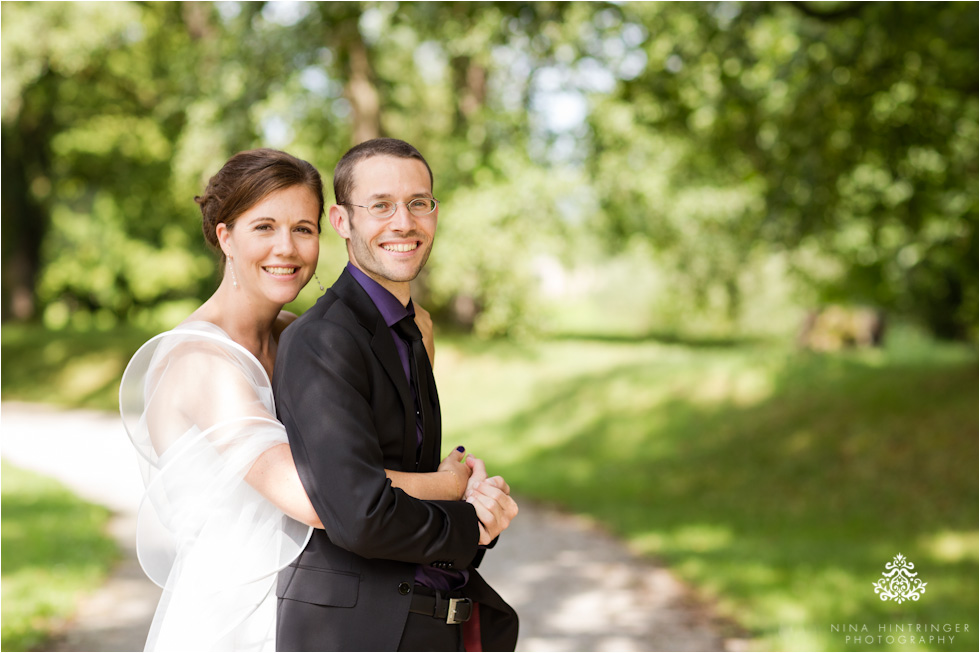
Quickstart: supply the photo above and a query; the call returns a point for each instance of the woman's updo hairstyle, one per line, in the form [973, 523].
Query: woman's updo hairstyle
[245, 180]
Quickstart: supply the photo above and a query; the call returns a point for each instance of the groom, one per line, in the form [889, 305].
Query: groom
[355, 391]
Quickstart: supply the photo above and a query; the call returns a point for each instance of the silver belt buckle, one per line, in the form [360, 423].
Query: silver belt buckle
[451, 614]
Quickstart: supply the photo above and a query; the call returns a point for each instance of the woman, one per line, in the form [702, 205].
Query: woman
[224, 509]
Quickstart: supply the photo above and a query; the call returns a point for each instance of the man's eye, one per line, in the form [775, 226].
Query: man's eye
[380, 207]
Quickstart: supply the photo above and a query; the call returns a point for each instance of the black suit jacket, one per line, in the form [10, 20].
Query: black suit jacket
[342, 394]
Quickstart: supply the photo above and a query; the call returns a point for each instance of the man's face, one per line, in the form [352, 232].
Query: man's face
[390, 250]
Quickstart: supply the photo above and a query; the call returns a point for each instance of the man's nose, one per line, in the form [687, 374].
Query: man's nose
[402, 219]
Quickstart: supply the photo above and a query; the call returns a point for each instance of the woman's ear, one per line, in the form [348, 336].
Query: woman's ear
[224, 236]
[340, 221]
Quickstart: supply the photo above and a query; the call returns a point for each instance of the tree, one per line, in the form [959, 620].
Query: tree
[840, 136]
[856, 127]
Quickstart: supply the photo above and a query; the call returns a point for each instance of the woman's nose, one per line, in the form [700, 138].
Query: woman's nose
[286, 244]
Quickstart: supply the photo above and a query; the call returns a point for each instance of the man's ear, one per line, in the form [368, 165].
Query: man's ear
[223, 233]
[340, 221]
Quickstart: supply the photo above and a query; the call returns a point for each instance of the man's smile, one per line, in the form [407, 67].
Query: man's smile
[401, 247]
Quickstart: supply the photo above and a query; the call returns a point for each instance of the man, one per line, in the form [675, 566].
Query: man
[388, 572]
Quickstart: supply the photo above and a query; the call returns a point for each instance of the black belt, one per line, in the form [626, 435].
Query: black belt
[454, 611]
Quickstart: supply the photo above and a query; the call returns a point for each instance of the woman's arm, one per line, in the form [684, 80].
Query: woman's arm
[449, 483]
[275, 477]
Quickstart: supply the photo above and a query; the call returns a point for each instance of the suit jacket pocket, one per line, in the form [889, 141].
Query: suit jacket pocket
[319, 586]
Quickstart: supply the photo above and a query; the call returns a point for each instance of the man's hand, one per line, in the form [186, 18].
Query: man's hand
[494, 507]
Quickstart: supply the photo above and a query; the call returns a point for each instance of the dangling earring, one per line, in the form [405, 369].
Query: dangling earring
[234, 279]
[318, 282]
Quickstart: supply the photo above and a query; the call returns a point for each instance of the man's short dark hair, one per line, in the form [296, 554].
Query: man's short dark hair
[343, 174]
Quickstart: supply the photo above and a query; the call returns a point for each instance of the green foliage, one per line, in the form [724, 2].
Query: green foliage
[843, 137]
[54, 548]
[778, 484]
[491, 240]
[838, 138]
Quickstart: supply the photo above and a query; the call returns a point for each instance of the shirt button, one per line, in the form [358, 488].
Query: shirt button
[404, 588]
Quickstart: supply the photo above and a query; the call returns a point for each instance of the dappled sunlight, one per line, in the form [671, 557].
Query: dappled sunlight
[778, 483]
[78, 368]
[55, 353]
[700, 538]
[798, 442]
[86, 375]
[744, 387]
[952, 546]
[643, 201]
[786, 608]
[54, 548]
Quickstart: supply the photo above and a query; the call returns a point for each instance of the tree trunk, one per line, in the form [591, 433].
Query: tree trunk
[361, 91]
[25, 219]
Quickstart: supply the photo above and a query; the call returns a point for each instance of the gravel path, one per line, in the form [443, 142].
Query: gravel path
[575, 588]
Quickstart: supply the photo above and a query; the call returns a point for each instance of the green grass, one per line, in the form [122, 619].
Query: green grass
[74, 368]
[778, 484]
[54, 548]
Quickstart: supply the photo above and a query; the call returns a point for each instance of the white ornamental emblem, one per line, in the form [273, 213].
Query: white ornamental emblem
[899, 583]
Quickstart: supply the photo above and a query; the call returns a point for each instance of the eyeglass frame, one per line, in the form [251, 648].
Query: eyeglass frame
[435, 205]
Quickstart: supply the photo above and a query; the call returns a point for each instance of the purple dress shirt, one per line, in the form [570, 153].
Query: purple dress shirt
[392, 312]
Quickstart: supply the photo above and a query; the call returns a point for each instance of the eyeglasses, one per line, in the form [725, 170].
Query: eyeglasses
[418, 207]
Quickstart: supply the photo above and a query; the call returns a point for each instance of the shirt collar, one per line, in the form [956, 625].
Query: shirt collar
[388, 305]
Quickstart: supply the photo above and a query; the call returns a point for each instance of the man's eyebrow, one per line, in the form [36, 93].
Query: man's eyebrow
[385, 196]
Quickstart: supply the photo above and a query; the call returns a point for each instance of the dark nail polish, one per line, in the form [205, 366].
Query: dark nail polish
[461, 448]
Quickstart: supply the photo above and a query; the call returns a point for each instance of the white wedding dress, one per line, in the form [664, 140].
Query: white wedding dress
[198, 407]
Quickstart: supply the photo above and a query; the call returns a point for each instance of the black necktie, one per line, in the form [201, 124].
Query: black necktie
[422, 377]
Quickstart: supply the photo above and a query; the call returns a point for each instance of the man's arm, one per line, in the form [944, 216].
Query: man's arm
[324, 398]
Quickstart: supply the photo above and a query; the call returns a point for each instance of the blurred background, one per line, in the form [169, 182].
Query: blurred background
[706, 272]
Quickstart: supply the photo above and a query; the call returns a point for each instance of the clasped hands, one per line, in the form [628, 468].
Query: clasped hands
[489, 496]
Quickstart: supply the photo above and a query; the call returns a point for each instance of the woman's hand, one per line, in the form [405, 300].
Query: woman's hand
[478, 474]
[424, 322]
[454, 464]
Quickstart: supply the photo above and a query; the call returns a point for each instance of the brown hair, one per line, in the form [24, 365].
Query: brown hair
[343, 175]
[245, 180]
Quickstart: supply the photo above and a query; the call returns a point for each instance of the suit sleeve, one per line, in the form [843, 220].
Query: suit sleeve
[323, 398]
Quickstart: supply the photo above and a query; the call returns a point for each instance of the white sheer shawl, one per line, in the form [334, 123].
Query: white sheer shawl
[198, 407]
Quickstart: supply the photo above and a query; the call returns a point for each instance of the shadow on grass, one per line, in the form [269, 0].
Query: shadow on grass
[785, 501]
[662, 337]
[71, 368]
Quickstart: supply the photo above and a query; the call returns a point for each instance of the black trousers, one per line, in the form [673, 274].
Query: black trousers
[423, 633]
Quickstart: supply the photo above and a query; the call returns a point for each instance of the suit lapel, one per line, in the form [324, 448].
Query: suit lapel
[367, 314]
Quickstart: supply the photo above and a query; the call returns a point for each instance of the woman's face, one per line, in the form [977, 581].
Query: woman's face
[273, 246]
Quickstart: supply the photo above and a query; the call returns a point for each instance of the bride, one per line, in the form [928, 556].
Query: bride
[224, 508]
